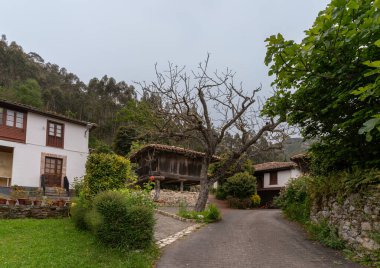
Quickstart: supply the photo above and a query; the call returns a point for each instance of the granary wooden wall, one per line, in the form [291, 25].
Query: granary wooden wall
[170, 165]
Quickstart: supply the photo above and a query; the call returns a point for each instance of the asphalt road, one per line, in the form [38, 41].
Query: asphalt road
[250, 238]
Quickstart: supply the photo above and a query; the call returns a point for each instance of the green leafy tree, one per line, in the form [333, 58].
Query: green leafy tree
[370, 93]
[29, 93]
[124, 139]
[140, 116]
[327, 85]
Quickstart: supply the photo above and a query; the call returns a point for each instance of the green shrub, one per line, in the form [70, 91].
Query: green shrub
[78, 185]
[294, 199]
[127, 219]
[341, 184]
[220, 193]
[326, 234]
[235, 202]
[77, 215]
[241, 185]
[106, 172]
[210, 214]
[93, 220]
[138, 198]
[256, 200]
[78, 210]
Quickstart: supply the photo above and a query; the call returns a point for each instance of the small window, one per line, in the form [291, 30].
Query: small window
[273, 178]
[59, 131]
[55, 134]
[10, 118]
[19, 120]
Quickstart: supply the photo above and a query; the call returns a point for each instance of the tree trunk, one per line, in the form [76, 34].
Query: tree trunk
[203, 193]
[203, 196]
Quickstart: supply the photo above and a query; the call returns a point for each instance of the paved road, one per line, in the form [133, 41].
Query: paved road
[250, 238]
[166, 226]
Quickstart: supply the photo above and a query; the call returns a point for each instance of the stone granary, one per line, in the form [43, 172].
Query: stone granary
[168, 165]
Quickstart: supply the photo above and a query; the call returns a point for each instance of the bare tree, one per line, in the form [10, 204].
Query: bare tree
[204, 108]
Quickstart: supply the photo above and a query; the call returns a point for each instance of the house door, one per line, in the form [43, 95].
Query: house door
[6, 161]
[53, 172]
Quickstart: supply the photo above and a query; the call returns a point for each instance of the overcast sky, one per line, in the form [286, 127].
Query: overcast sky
[124, 39]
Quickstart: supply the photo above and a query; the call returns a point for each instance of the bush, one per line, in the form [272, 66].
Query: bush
[127, 219]
[235, 202]
[242, 185]
[78, 185]
[213, 213]
[210, 214]
[343, 183]
[256, 200]
[220, 193]
[294, 199]
[78, 210]
[106, 172]
[93, 219]
[122, 219]
[326, 234]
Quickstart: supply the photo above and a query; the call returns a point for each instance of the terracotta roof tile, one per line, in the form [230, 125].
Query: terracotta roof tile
[24, 107]
[174, 149]
[274, 166]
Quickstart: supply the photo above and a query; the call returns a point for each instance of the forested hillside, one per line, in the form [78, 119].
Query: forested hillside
[27, 78]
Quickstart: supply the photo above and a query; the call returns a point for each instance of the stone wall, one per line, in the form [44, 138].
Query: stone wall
[174, 198]
[39, 212]
[357, 218]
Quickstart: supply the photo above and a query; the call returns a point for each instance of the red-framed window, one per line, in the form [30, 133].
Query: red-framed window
[11, 118]
[13, 125]
[55, 134]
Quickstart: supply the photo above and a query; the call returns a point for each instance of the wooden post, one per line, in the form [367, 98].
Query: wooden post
[181, 186]
[157, 190]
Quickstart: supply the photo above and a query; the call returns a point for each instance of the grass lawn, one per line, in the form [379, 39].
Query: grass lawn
[56, 243]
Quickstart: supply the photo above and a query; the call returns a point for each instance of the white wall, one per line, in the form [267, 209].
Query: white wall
[27, 157]
[295, 173]
[76, 137]
[283, 177]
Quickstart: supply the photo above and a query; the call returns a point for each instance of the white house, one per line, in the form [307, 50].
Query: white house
[272, 177]
[35, 143]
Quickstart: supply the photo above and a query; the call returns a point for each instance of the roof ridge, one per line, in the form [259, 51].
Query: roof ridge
[170, 148]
